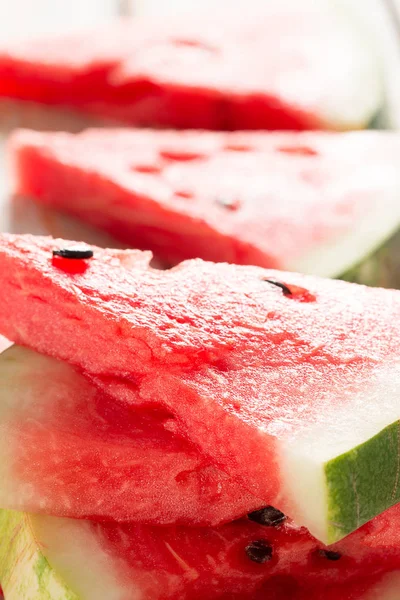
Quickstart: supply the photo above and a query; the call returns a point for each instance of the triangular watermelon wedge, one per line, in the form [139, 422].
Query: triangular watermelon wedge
[62, 559]
[66, 449]
[318, 203]
[285, 67]
[288, 382]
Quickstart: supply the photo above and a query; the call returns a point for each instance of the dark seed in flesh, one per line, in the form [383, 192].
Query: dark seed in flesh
[74, 253]
[259, 551]
[330, 554]
[269, 516]
[286, 291]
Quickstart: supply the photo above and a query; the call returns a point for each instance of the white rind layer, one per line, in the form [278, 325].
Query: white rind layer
[45, 558]
[21, 403]
[77, 557]
[355, 103]
[24, 572]
[330, 435]
[380, 221]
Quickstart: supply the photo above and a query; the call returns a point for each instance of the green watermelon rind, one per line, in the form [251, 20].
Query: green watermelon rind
[25, 573]
[350, 506]
[380, 268]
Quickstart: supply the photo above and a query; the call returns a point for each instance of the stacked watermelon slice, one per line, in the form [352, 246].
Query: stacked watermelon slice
[321, 203]
[179, 400]
[210, 431]
[293, 66]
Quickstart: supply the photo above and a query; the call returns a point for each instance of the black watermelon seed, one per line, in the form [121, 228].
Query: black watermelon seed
[259, 551]
[74, 253]
[330, 554]
[286, 291]
[269, 516]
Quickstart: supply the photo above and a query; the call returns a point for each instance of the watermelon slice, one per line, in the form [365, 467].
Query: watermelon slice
[311, 202]
[47, 557]
[292, 66]
[288, 382]
[68, 450]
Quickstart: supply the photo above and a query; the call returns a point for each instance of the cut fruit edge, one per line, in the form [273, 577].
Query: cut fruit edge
[360, 439]
[343, 250]
[48, 558]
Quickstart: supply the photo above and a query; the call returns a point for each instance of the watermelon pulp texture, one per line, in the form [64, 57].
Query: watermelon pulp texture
[90, 561]
[67, 449]
[273, 70]
[291, 390]
[311, 202]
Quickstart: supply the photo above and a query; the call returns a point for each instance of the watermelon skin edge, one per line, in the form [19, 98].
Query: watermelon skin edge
[359, 474]
[356, 466]
[380, 269]
[25, 574]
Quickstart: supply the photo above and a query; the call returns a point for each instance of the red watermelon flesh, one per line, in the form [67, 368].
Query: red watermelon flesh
[288, 382]
[163, 563]
[67, 449]
[311, 202]
[270, 70]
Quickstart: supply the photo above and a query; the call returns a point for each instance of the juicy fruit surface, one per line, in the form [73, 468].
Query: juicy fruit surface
[165, 563]
[67, 449]
[296, 380]
[312, 202]
[273, 70]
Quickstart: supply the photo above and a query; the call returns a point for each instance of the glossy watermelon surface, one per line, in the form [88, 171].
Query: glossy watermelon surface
[270, 374]
[317, 203]
[273, 69]
[243, 560]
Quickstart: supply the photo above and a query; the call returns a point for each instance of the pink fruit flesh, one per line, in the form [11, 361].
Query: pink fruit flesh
[67, 449]
[217, 345]
[268, 199]
[165, 563]
[190, 74]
